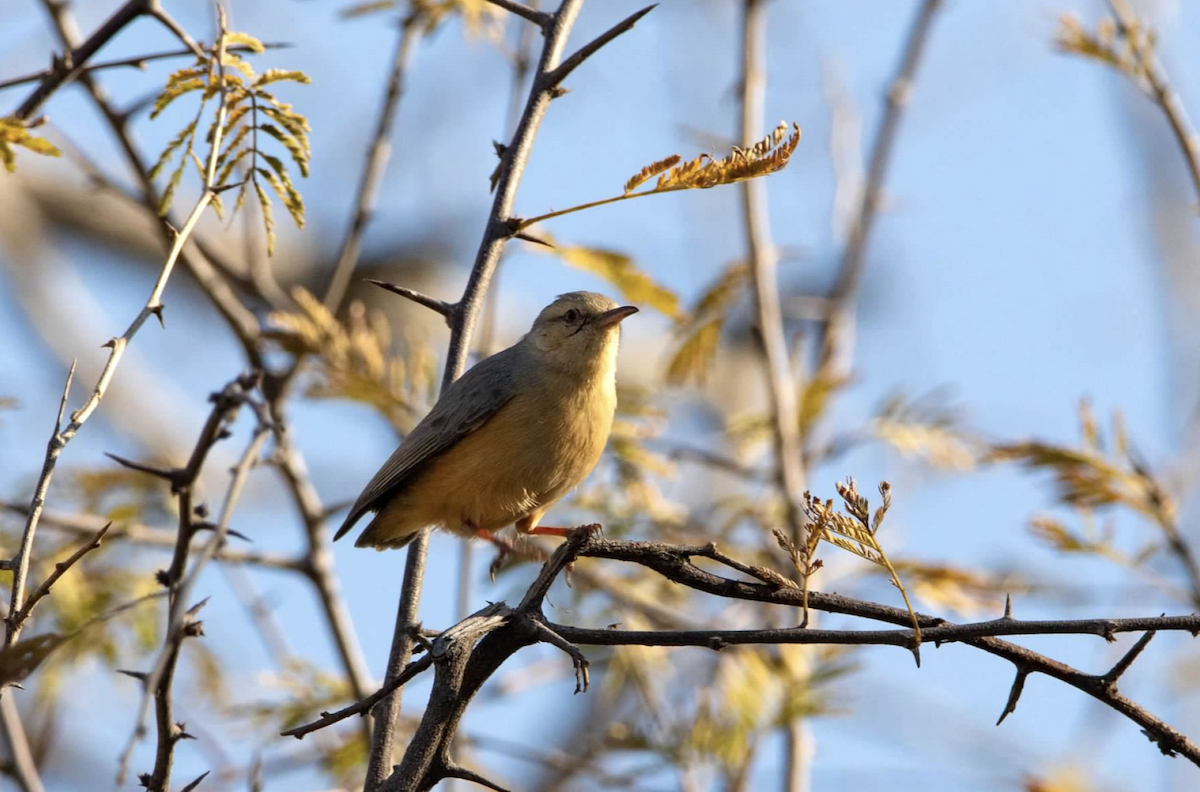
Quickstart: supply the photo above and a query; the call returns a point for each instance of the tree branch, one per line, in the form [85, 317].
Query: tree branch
[675, 564]
[71, 64]
[137, 62]
[60, 569]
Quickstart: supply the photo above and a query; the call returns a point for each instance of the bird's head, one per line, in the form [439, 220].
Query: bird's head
[579, 330]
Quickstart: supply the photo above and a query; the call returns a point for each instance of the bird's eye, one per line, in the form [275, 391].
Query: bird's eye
[571, 316]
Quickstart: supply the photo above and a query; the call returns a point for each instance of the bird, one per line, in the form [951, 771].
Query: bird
[509, 438]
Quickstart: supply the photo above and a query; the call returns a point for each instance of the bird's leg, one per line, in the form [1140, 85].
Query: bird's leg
[545, 530]
[527, 527]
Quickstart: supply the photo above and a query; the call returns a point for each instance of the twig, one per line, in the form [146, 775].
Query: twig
[181, 621]
[137, 62]
[137, 533]
[59, 570]
[496, 232]
[364, 706]
[20, 564]
[836, 348]
[375, 166]
[71, 64]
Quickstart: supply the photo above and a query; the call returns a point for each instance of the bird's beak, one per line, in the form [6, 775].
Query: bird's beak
[614, 316]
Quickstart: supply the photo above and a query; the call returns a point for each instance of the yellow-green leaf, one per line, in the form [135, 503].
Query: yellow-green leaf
[246, 40]
[619, 270]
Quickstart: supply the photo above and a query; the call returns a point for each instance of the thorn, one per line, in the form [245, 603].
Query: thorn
[192, 611]
[1018, 685]
[1008, 606]
[158, 313]
[558, 91]
[532, 239]
[500, 148]
[451, 770]
[109, 344]
[195, 783]
[167, 475]
[140, 676]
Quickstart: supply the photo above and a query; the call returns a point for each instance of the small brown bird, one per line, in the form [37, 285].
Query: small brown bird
[510, 438]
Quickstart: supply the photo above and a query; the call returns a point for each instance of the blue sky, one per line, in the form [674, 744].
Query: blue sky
[1018, 263]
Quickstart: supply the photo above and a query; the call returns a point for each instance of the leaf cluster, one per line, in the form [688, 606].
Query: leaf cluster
[247, 107]
[354, 360]
[855, 530]
[14, 132]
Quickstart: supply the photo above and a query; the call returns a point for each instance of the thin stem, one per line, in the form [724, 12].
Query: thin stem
[71, 64]
[136, 62]
[375, 166]
[837, 346]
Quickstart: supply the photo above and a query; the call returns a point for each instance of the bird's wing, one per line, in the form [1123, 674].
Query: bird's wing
[465, 406]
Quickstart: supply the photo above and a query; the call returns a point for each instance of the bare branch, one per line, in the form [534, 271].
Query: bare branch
[137, 62]
[364, 706]
[59, 570]
[555, 78]
[20, 564]
[70, 65]
[86, 525]
[674, 564]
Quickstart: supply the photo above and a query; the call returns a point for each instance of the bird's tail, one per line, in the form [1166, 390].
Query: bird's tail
[380, 534]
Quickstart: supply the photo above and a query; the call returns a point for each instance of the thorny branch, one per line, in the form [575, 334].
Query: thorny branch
[178, 579]
[72, 63]
[464, 656]
[551, 70]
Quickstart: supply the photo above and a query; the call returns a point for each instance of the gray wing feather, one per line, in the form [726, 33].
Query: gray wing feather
[465, 406]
